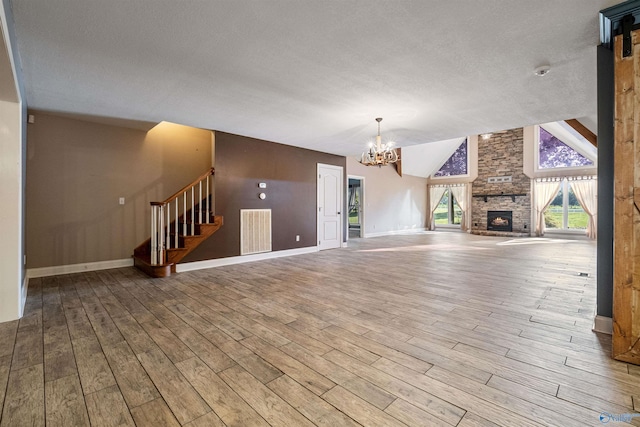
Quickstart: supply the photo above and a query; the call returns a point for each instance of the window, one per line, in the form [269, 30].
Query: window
[448, 212]
[553, 153]
[564, 212]
[456, 164]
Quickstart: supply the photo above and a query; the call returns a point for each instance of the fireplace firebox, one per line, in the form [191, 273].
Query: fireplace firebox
[499, 220]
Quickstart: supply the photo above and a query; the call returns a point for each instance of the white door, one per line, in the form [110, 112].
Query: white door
[329, 206]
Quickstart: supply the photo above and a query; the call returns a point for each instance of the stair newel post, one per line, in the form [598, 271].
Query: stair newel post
[161, 242]
[208, 201]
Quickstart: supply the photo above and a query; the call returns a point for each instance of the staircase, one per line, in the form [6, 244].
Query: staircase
[178, 226]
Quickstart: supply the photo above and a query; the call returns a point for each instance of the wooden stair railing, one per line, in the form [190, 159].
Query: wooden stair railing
[178, 225]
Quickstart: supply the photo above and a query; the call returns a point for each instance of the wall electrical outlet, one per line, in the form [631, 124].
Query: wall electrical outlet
[121, 200]
[297, 237]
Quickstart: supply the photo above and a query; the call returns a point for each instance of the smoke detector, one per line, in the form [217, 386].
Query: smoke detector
[542, 70]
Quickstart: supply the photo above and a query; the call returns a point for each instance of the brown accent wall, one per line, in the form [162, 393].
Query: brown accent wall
[77, 170]
[290, 174]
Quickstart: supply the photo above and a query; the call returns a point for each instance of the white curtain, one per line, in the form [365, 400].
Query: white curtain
[545, 191]
[586, 193]
[460, 193]
[435, 194]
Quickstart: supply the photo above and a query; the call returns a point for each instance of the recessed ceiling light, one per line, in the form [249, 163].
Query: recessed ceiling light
[542, 70]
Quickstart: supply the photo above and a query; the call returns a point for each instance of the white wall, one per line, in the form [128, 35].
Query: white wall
[391, 203]
[11, 190]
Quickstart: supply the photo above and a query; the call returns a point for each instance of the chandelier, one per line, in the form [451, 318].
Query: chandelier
[379, 154]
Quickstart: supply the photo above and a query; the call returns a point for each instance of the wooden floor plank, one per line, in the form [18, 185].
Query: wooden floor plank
[170, 344]
[95, 373]
[413, 416]
[154, 413]
[300, 372]
[184, 401]
[230, 407]
[268, 404]
[359, 409]
[204, 349]
[59, 360]
[24, 400]
[29, 348]
[107, 408]
[308, 404]
[209, 419]
[259, 368]
[65, 405]
[133, 381]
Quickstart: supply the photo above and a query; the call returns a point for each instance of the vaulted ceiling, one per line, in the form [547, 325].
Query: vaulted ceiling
[314, 74]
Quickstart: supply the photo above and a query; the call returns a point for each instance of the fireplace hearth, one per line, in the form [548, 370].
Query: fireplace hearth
[500, 221]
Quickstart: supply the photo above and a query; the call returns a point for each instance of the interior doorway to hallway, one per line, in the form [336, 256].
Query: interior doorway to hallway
[356, 207]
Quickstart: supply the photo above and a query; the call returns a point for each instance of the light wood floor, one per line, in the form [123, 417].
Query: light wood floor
[437, 329]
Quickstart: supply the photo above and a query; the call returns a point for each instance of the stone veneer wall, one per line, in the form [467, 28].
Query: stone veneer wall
[501, 155]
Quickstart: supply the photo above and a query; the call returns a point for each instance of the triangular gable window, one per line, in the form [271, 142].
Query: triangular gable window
[554, 153]
[456, 164]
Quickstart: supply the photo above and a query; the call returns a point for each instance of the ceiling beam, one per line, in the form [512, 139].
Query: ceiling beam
[582, 130]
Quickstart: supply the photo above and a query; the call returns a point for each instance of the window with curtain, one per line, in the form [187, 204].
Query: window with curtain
[565, 212]
[448, 211]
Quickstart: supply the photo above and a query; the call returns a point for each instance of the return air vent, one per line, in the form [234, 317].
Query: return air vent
[255, 231]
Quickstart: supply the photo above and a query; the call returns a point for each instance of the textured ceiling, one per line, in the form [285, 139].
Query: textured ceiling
[314, 74]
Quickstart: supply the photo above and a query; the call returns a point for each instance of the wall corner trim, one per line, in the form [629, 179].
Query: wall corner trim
[603, 325]
[220, 262]
[78, 268]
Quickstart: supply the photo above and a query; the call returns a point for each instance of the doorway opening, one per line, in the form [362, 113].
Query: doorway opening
[356, 207]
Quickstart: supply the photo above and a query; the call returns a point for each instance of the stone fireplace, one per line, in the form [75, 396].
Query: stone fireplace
[501, 186]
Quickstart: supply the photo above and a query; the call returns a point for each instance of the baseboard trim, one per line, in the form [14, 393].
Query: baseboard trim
[603, 325]
[220, 262]
[78, 268]
[396, 232]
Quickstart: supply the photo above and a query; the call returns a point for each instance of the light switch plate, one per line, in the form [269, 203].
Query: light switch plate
[121, 200]
[262, 185]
